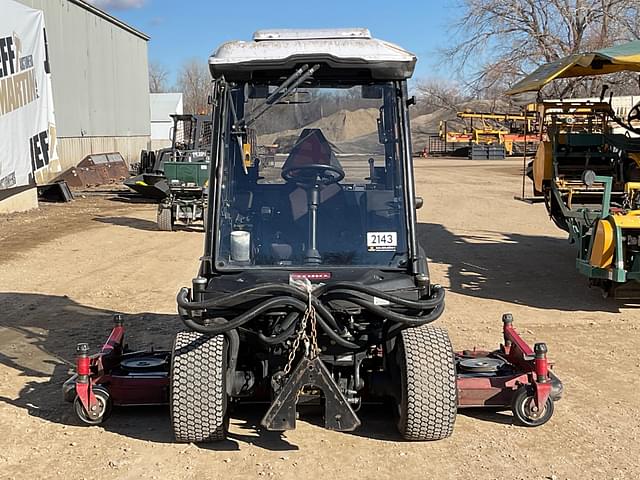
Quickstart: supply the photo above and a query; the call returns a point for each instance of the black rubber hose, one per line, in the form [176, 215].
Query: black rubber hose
[217, 328]
[289, 320]
[396, 328]
[417, 305]
[298, 302]
[269, 288]
[221, 327]
[230, 299]
[335, 337]
[278, 338]
[288, 326]
[433, 315]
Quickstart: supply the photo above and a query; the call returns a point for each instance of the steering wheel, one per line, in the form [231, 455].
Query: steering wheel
[313, 174]
[634, 113]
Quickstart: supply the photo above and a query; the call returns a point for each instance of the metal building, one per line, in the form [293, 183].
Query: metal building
[163, 105]
[99, 73]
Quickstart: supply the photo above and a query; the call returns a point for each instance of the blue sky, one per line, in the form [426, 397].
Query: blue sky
[182, 29]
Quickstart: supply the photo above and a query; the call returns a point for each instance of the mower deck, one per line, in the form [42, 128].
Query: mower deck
[514, 376]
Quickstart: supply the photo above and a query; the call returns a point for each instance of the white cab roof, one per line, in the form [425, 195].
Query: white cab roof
[339, 49]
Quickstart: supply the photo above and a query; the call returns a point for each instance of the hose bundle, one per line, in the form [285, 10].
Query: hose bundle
[258, 300]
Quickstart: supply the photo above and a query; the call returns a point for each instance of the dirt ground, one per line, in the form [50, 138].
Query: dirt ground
[64, 269]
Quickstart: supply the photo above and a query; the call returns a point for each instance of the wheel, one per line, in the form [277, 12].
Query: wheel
[198, 396]
[428, 393]
[165, 219]
[523, 407]
[103, 409]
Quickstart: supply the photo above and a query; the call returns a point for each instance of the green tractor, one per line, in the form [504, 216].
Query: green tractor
[190, 143]
[187, 199]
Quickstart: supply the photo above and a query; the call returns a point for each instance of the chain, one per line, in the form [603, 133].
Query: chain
[310, 341]
[315, 350]
[296, 344]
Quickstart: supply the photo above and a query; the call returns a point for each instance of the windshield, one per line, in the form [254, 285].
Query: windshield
[314, 180]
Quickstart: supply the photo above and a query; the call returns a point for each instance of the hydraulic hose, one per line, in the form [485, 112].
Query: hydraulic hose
[358, 287]
[242, 298]
[222, 325]
[291, 297]
[288, 326]
[433, 315]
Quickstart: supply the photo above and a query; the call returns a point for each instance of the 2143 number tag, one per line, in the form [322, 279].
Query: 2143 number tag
[382, 241]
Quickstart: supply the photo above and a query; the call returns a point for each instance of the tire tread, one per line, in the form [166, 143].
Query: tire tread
[198, 394]
[165, 220]
[429, 388]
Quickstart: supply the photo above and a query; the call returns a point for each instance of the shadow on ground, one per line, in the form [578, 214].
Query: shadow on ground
[132, 198]
[142, 224]
[38, 335]
[535, 271]
[131, 222]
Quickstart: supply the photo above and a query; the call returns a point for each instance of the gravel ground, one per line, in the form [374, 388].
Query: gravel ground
[64, 269]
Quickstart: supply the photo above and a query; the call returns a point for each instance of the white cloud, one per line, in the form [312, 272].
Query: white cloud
[117, 4]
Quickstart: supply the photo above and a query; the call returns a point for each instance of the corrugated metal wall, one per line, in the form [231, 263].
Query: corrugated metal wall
[100, 82]
[79, 148]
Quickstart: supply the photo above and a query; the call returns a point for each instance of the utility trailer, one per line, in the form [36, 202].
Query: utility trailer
[313, 289]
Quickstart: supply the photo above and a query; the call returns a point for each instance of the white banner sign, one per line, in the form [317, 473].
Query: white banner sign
[27, 123]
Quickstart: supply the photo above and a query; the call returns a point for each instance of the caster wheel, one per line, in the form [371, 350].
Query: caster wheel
[524, 409]
[103, 409]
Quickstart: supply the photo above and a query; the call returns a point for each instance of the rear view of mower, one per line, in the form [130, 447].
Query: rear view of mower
[313, 289]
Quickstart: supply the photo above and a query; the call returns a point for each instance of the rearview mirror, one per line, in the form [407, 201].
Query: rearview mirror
[262, 91]
[296, 98]
[371, 91]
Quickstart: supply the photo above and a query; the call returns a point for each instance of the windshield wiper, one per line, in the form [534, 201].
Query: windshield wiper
[286, 88]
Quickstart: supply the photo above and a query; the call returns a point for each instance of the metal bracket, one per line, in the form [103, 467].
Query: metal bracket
[338, 414]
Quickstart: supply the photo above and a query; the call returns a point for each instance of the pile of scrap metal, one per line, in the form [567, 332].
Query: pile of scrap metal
[190, 142]
[491, 136]
[588, 173]
[96, 169]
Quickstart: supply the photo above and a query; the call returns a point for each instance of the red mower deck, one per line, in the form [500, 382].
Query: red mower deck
[514, 376]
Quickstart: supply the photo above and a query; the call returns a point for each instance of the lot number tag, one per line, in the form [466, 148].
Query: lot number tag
[382, 241]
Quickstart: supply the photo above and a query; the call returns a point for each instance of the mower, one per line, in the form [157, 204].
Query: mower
[312, 290]
[190, 143]
[187, 198]
[587, 168]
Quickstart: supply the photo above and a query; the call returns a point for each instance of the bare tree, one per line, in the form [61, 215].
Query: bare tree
[501, 40]
[435, 93]
[158, 75]
[194, 82]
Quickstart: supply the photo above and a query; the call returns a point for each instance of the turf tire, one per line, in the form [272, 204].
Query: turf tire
[428, 394]
[198, 396]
